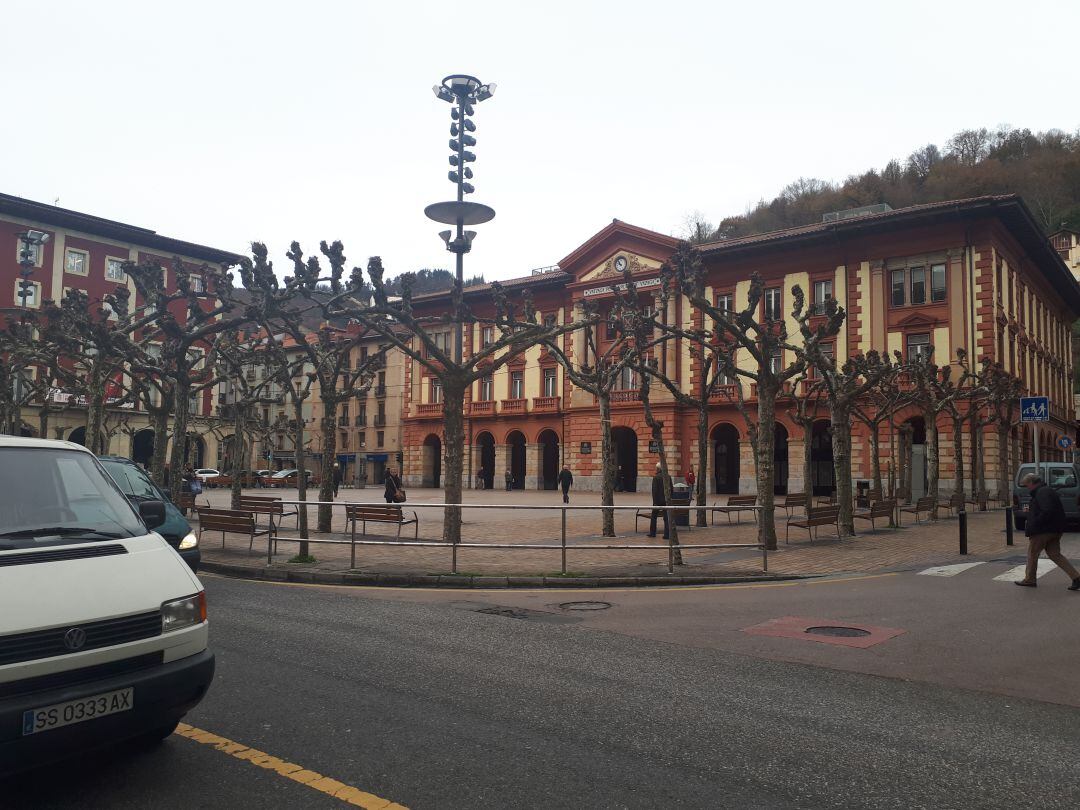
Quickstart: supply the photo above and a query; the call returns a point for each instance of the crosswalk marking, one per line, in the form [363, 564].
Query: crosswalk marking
[949, 570]
[1017, 574]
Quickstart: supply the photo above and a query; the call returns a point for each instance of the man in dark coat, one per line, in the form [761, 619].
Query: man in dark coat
[392, 483]
[659, 498]
[1044, 527]
[566, 480]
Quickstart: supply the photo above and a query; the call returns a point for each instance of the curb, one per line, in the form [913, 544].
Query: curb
[362, 579]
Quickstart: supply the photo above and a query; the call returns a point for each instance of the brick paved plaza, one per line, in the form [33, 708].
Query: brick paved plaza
[884, 549]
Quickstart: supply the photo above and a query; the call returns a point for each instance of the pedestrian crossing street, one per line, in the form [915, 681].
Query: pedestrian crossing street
[1014, 574]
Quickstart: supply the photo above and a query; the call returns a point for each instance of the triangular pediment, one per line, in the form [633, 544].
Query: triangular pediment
[917, 319]
[617, 264]
[597, 258]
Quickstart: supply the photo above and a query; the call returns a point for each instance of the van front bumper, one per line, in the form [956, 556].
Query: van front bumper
[162, 695]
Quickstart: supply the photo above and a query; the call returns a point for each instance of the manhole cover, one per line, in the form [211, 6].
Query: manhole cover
[843, 632]
[585, 605]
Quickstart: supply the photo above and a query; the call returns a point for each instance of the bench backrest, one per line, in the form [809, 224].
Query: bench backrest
[881, 508]
[361, 512]
[261, 504]
[795, 499]
[227, 520]
[742, 500]
[956, 499]
[925, 503]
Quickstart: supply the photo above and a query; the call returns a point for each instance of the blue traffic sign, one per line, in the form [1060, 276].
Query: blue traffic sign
[1064, 442]
[1034, 409]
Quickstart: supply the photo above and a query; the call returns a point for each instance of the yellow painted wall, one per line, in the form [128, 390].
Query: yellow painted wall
[896, 342]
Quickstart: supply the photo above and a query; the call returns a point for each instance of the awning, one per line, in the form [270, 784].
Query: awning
[346, 458]
[378, 456]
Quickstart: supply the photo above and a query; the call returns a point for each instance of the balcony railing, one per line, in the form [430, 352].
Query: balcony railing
[483, 407]
[343, 421]
[429, 409]
[723, 393]
[629, 395]
[361, 420]
[513, 406]
[545, 404]
[380, 420]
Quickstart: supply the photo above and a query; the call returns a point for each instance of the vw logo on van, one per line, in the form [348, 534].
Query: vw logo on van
[75, 638]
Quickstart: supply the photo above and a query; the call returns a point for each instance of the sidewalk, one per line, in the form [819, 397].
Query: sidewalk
[923, 545]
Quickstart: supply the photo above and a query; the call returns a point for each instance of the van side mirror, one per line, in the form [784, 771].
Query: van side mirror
[152, 513]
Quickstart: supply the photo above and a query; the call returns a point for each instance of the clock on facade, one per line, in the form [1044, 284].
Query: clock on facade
[620, 264]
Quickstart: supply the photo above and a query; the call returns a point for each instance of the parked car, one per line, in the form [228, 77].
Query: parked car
[103, 631]
[1063, 476]
[207, 473]
[286, 478]
[138, 486]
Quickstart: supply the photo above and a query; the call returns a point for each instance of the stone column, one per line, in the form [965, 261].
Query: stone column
[502, 464]
[747, 469]
[534, 466]
[796, 450]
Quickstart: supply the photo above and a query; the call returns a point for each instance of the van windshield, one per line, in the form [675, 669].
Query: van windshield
[52, 497]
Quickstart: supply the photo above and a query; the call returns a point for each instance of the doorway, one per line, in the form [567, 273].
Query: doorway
[549, 444]
[626, 458]
[431, 475]
[780, 460]
[516, 441]
[725, 440]
[821, 459]
[486, 442]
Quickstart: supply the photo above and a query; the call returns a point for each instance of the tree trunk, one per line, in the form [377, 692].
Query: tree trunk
[301, 473]
[841, 447]
[765, 472]
[978, 472]
[875, 457]
[159, 419]
[703, 461]
[179, 435]
[958, 455]
[239, 454]
[95, 394]
[326, 488]
[607, 467]
[930, 418]
[1004, 475]
[808, 466]
[454, 454]
[43, 418]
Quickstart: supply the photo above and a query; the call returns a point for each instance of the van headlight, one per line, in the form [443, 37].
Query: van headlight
[189, 541]
[181, 613]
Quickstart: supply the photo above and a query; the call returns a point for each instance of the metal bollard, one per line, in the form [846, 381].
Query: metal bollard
[1008, 525]
[963, 531]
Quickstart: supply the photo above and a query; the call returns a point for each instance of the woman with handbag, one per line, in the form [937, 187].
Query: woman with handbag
[395, 491]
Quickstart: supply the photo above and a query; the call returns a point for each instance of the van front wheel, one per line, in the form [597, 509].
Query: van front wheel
[159, 734]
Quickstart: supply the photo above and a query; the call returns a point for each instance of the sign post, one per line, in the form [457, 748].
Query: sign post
[1035, 410]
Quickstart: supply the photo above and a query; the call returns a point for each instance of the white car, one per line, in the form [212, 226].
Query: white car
[206, 473]
[103, 631]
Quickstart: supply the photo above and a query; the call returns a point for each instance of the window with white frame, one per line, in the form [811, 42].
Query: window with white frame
[76, 262]
[517, 384]
[917, 280]
[32, 251]
[723, 302]
[114, 269]
[198, 284]
[772, 304]
[436, 390]
[776, 363]
[487, 336]
[627, 379]
[822, 296]
[550, 383]
[33, 293]
[918, 345]
[441, 341]
[487, 388]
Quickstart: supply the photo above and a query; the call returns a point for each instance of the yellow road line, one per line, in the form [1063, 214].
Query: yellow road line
[639, 589]
[297, 773]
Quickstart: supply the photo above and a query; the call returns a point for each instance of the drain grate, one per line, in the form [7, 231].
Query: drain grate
[842, 632]
[585, 605]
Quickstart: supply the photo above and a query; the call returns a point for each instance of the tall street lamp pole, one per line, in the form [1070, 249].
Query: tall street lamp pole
[32, 243]
[462, 92]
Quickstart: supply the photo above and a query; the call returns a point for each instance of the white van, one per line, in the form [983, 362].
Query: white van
[103, 632]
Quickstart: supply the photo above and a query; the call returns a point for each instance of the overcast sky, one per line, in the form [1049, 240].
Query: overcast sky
[226, 122]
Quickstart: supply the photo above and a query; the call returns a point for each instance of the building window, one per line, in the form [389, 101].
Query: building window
[610, 330]
[550, 383]
[114, 269]
[772, 304]
[937, 282]
[380, 438]
[487, 388]
[76, 262]
[441, 341]
[33, 252]
[436, 391]
[627, 379]
[899, 283]
[343, 439]
[918, 345]
[517, 384]
[827, 355]
[33, 293]
[550, 320]
[487, 336]
[723, 302]
[197, 284]
[776, 363]
[381, 415]
[361, 438]
[822, 296]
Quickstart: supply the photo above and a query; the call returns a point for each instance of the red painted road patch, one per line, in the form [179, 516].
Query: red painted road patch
[800, 627]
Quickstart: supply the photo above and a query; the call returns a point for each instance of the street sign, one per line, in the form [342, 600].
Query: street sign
[1034, 409]
[1064, 442]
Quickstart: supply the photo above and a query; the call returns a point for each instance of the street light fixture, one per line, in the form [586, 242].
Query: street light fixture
[461, 91]
[32, 241]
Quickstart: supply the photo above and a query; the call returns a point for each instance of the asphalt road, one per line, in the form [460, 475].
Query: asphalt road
[428, 703]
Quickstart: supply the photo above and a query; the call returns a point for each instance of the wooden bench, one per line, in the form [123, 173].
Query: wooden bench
[879, 510]
[817, 516]
[229, 521]
[736, 504]
[954, 503]
[794, 500]
[264, 505]
[980, 500]
[924, 504]
[391, 513]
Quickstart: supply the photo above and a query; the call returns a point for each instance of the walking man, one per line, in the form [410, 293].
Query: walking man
[509, 477]
[659, 498]
[566, 480]
[337, 478]
[1044, 527]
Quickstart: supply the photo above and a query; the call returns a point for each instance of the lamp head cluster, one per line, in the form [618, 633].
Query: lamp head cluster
[463, 92]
